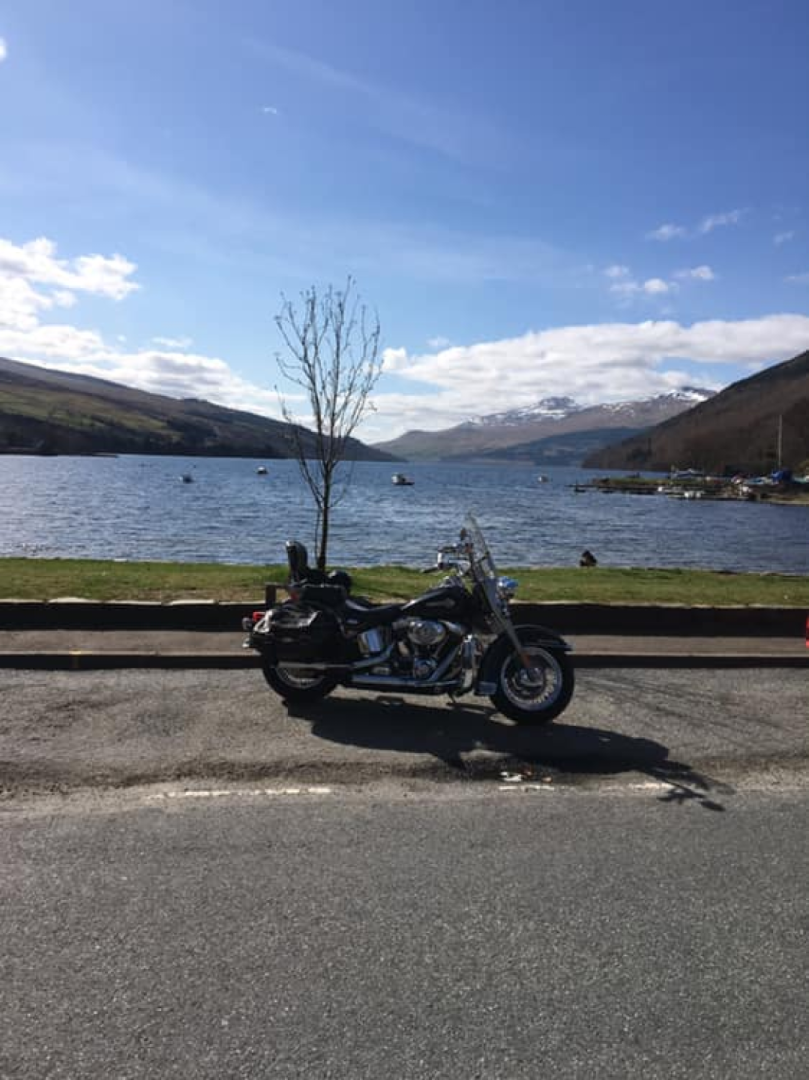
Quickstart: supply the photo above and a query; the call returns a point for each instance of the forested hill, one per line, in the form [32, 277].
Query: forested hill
[737, 430]
[47, 411]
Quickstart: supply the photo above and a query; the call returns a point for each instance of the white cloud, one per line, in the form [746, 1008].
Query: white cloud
[3, 50]
[173, 343]
[64, 298]
[657, 286]
[715, 221]
[394, 360]
[36, 261]
[596, 363]
[33, 282]
[666, 232]
[439, 342]
[706, 225]
[800, 279]
[20, 303]
[696, 273]
[783, 237]
[269, 110]
[626, 287]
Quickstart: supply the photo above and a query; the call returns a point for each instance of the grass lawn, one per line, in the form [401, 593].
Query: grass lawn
[92, 579]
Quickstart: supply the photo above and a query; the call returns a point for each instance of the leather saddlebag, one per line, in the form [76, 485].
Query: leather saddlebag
[305, 634]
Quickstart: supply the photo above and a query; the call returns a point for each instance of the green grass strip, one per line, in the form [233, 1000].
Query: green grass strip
[96, 579]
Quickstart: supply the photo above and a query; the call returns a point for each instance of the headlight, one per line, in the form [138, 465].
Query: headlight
[506, 587]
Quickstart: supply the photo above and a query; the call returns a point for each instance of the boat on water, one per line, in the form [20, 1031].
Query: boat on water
[542, 479]
[261, 470]
[187, 478]
[400, 480]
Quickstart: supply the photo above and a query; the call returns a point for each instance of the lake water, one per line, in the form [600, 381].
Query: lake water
[135, 507]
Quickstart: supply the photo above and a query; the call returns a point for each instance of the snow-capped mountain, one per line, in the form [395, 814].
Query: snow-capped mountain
[556, 429]
[686, 396]
[552, 408]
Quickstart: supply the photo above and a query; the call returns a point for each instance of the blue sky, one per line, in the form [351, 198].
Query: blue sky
[598, 200]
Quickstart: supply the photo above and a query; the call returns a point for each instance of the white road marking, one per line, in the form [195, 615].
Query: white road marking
[218, 793]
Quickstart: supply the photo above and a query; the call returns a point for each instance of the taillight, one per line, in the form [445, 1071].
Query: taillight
[249, 622]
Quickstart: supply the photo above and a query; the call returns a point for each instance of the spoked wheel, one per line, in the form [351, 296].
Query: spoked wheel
[536, 695]
[300, 685]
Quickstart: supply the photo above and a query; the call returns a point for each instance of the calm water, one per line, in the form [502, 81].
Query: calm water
[137, 508]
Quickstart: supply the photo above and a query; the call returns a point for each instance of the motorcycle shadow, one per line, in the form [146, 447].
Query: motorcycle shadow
[478, 743]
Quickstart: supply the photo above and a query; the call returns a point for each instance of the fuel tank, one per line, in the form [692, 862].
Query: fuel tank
[443, 602]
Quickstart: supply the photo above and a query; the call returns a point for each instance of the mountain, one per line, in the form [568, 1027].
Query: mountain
[552, 431]
[736, 431]
[57, 412]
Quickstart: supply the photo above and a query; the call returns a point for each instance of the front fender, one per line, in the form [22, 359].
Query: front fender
[492, 658]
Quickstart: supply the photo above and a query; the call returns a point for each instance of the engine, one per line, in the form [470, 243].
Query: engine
[421, 646]
[426, 633]
[426, 636]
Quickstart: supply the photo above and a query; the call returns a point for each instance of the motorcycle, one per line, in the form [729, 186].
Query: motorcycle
[456, 638]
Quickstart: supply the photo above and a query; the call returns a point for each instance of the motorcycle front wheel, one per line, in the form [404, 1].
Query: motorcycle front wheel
[536, 696]
[299, 685]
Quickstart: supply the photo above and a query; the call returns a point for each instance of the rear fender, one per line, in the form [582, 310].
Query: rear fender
[527, 633]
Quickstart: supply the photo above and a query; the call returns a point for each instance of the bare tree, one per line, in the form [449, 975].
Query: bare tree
[333, 356]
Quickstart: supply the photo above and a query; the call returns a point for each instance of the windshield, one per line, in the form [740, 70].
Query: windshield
[482, 556]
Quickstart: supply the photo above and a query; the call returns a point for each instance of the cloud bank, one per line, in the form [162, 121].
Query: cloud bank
[593, 364]
[35, 283]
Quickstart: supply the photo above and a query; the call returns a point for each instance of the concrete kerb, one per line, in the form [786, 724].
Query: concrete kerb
[647, 620]
[616, 622]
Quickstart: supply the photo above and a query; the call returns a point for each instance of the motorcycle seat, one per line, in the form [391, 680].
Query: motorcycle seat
[326, 595]
[358, 616]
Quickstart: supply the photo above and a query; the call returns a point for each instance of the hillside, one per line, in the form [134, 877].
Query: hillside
[551, 431]
[736, 431]
[47, 411]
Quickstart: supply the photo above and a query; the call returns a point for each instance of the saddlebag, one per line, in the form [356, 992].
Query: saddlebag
[304, 634]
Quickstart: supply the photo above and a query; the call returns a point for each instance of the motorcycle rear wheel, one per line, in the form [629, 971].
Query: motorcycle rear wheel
[300, 685]
[536, 699]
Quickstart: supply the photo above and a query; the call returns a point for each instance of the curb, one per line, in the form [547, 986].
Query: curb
[81, 660]
[566, 618]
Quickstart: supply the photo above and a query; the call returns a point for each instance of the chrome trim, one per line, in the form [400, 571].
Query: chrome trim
[435, 681]
[356, 665]
[393, 682]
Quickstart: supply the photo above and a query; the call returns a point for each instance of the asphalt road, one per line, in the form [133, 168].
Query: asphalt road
[699, 729]
[469, 931]
[197, 883]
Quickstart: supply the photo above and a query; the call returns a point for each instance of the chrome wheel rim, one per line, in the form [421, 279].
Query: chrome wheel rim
[536, 689]
[300, 679]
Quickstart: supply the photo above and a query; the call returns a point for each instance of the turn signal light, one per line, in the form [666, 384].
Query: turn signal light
[807, 631]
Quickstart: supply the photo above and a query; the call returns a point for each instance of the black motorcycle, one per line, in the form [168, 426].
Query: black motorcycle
[453, 639]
